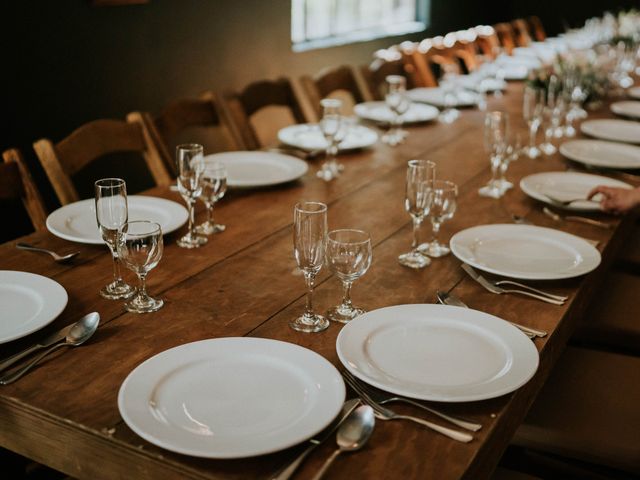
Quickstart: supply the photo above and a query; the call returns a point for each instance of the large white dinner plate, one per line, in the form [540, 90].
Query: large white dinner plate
[437, 352]
[479, 84]
[435, 96]
[308, 136]
[77, 221]
[626, 109]
[599, 153]
[28, 302]
[259, 169]
[612, 129]
[380, 112]
[567, 186]
[231, 397]
[634, 92]
[525, 251]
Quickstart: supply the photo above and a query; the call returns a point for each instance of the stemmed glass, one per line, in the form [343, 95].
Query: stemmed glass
[443, 206]
[532, 112]
[111, 214]
[557, 104]
[333, 128]
[450, 99]
[309, 241]
[397, 100]
[214, 186]
[189, 157]
[349, 257]
[496, 131]
[547, 147]
[140, 247]
[420, 176]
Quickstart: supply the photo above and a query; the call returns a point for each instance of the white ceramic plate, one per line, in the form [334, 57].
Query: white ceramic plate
[614, 130]
[634, 92]
[308, 136]
[76, 221]
[522, 61]
[567, 186]
[259, 169]
[515, 72]
[437, 352]
[600, 153]
[28, 302]
[525, 251]
[435, 96]
[231, 397]
[380, 112]
[626, 109]
[478, 84]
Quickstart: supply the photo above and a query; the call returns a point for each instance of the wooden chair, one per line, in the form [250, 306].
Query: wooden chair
[168, 128]
[487, 41]
[521, 32]
[506, 37]
[419, 57]
[90, 142]
[261, 109]
[342, 82]
[537, 28]
[16, 182]
[375, 74]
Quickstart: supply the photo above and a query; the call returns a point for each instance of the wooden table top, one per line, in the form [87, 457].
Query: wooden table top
[244, 283]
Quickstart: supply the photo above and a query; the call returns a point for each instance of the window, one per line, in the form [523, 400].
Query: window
[323, 23]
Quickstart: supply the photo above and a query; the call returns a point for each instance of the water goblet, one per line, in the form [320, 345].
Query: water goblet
[333, 129]
[443, 206]
[448, 87]
[532, 107]
[418, 195]
[140, 247]
[496, 131]
[214, 186]
[309, 242]
[111, 215]
[397, 100]
[349, 257]
[189, 158]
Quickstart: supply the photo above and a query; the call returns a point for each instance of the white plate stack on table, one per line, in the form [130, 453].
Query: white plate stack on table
[602, 154]
[626, 109]
[438, 97]
[612, 129]
[309, 137]
[381, 113]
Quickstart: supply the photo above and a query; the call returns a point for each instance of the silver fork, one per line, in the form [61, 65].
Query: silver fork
[386, 414]
[575, 218]
[383, 398]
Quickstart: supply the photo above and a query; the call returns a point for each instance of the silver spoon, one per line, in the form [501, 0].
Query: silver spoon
[79, 333]
[352, 435]
[56, 257]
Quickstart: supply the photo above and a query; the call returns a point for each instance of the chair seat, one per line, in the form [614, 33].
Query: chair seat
[611, 320]
[588, 410]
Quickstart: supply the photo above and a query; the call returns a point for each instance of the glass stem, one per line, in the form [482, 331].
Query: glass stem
[117, 276]
[533, 129]
[210, 213]
[416, 231]
[309, 280]
[142, 290]
[495, 165]
[192, 231]
[436, 230]
[346, 297]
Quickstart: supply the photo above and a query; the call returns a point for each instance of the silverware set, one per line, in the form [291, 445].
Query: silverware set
[524, 221]
[56, 256]
[575, 218]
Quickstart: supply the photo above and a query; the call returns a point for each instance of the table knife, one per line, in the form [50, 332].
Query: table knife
[347, 408]
[44, 343]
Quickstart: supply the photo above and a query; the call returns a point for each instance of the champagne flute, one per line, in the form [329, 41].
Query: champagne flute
[349, 257]
[332, 127]
[420, 176]
[443, 206]
[396, 99]
[214, 186]
[448, 87]
[309, 241]
[496, 131]
[111, 214]
[140, 247]
[532, 112]
[190, 170]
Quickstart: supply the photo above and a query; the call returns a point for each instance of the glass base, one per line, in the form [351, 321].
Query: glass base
[414, 259]
[329, 170]
[208, 228]
[309, 323]
[344, 313]
[145, 304]
[394, 137]
[569, 131]
[192, 241]
[548, 148]
[449, 115]
[533, 152]
[117, 290]
[434, 249]
[504, 184]
[491, 190]
[558, 132]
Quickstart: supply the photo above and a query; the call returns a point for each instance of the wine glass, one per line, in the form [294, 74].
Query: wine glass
[420, 176]
[448, 87]
[189, 157]
[214, 186]
[111, 215]
[532, 112]
[349, 257]
[309, 241]
[333, 128]
[547, 147]
[397, 100]
[496, 131]
[140, 247]
[443, 206]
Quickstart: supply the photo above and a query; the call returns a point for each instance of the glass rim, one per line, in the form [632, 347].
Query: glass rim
[331, 102]
[417, 162]
[115, 182]
[439, 184]
[351, 230]
[189, 147]
[299, 207]
[157, 228]
[395, 78]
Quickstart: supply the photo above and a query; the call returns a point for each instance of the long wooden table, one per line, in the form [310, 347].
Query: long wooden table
[244, 283]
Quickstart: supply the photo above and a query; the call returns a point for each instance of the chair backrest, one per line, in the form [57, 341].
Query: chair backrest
[537, 28]
[183, 119]
[90, 142]
[376, 73]
[260, 110]
[521, 31]
[341, 82]
[505, 34]
[487, 41]
[418, 57]
[16, 182]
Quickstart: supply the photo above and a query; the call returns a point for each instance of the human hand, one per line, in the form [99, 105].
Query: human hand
[616, 200]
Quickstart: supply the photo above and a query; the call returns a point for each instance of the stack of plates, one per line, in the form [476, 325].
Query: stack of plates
[380, 112]
[435, 96]
[615, 130]
[626, 109]
[309, 137]
[601, 154]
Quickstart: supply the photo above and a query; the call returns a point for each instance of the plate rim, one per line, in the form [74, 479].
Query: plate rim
[364, 105]
[618, 108]
[470, 104]
[594, 162]
[42, 323]
[281, 137]
[609, 138]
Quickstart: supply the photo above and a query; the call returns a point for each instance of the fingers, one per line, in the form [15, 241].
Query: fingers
[605, 191]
